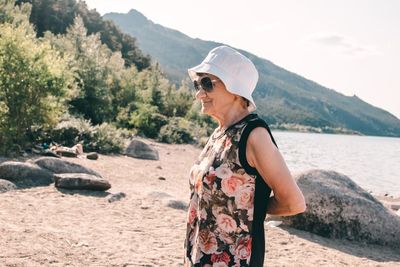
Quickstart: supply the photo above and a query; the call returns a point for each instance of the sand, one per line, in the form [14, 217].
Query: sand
[44, 226]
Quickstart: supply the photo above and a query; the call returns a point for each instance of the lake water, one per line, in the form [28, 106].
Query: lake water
[372, 162]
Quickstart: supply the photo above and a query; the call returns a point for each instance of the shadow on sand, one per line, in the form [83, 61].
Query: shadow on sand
[374, 252]
[90, 193]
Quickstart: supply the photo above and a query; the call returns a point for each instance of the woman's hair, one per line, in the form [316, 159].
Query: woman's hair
[246, 101]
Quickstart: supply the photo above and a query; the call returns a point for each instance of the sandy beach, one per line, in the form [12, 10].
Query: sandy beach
[44, 226]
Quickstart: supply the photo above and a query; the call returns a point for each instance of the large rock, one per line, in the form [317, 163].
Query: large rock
[61, 166]
[6, 185]
[338, 208]
[24, 174]
[141, 150]
[81, 181]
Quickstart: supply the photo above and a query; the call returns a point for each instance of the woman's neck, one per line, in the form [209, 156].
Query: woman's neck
[230, 117]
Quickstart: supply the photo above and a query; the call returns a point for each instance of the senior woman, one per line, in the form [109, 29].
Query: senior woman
[232, 180]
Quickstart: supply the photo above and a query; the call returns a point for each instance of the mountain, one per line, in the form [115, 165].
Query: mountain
[283, 98]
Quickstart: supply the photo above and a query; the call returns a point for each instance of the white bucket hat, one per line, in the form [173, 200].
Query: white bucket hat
[236, 71]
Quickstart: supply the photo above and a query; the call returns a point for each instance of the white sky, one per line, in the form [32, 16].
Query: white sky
[351, 46]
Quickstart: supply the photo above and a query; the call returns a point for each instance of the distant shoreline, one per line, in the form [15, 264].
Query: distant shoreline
[309, 129]
[299, 128]
[333, 133]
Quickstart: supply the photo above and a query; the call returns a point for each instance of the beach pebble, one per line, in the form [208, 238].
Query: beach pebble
[177, 204]
[116, 196]
[395, 207]
[92, 155]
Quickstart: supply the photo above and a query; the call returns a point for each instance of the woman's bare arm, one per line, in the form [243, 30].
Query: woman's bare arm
[263, 155]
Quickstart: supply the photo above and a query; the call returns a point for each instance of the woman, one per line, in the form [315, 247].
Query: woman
[232, 180]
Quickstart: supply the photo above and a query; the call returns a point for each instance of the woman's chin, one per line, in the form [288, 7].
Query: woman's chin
[205, 110]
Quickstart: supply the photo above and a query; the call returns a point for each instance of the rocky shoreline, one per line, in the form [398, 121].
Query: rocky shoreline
[140, 221]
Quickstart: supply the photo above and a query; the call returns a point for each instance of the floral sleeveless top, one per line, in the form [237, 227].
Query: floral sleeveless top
[228, 201]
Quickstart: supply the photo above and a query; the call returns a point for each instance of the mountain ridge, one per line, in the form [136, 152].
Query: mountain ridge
[283, 97]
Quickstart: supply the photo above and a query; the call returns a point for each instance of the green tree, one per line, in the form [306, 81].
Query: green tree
[96, 69]
[34, 82]
[178, 102]
[57, 15]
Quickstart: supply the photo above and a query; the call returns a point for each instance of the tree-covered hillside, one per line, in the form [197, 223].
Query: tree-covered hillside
[57, 15]
[284, 99]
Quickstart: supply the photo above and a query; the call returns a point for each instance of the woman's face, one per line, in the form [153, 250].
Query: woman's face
[217, 100]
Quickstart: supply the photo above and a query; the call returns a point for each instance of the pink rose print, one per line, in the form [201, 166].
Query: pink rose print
[243, 248]
[244, 198]
[227, 238]
[192, 211]
[222, 257]
[231, 185]
[223, 171]
[207, 242]
[226, 223]
[210, 178]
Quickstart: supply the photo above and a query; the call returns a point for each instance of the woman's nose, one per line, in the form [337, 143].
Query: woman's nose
[200, 94]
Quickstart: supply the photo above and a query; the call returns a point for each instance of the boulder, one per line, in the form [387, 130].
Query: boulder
[141, 150]
[338, 208]
[61, 166]
[81, 181]
[24, 174]
[6, 185]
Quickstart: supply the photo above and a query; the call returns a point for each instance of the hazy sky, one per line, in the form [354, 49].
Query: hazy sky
[351, 46]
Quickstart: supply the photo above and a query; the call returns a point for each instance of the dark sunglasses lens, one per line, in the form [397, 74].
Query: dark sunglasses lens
[206, 84]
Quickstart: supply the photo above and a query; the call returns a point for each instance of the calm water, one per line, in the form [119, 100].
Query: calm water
[372, 162]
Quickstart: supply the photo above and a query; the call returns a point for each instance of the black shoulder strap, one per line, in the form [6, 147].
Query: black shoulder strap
[251, 125]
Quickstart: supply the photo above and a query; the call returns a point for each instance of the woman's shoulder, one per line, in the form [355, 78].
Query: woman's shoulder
[257, 130]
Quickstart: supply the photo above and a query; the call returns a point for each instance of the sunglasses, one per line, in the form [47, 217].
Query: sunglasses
[206, 83]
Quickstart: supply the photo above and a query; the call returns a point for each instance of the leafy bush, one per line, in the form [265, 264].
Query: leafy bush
[177, 102]
[106, 138]
[177, 130]
[147, 120]
[103, 138]
[71, 131]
